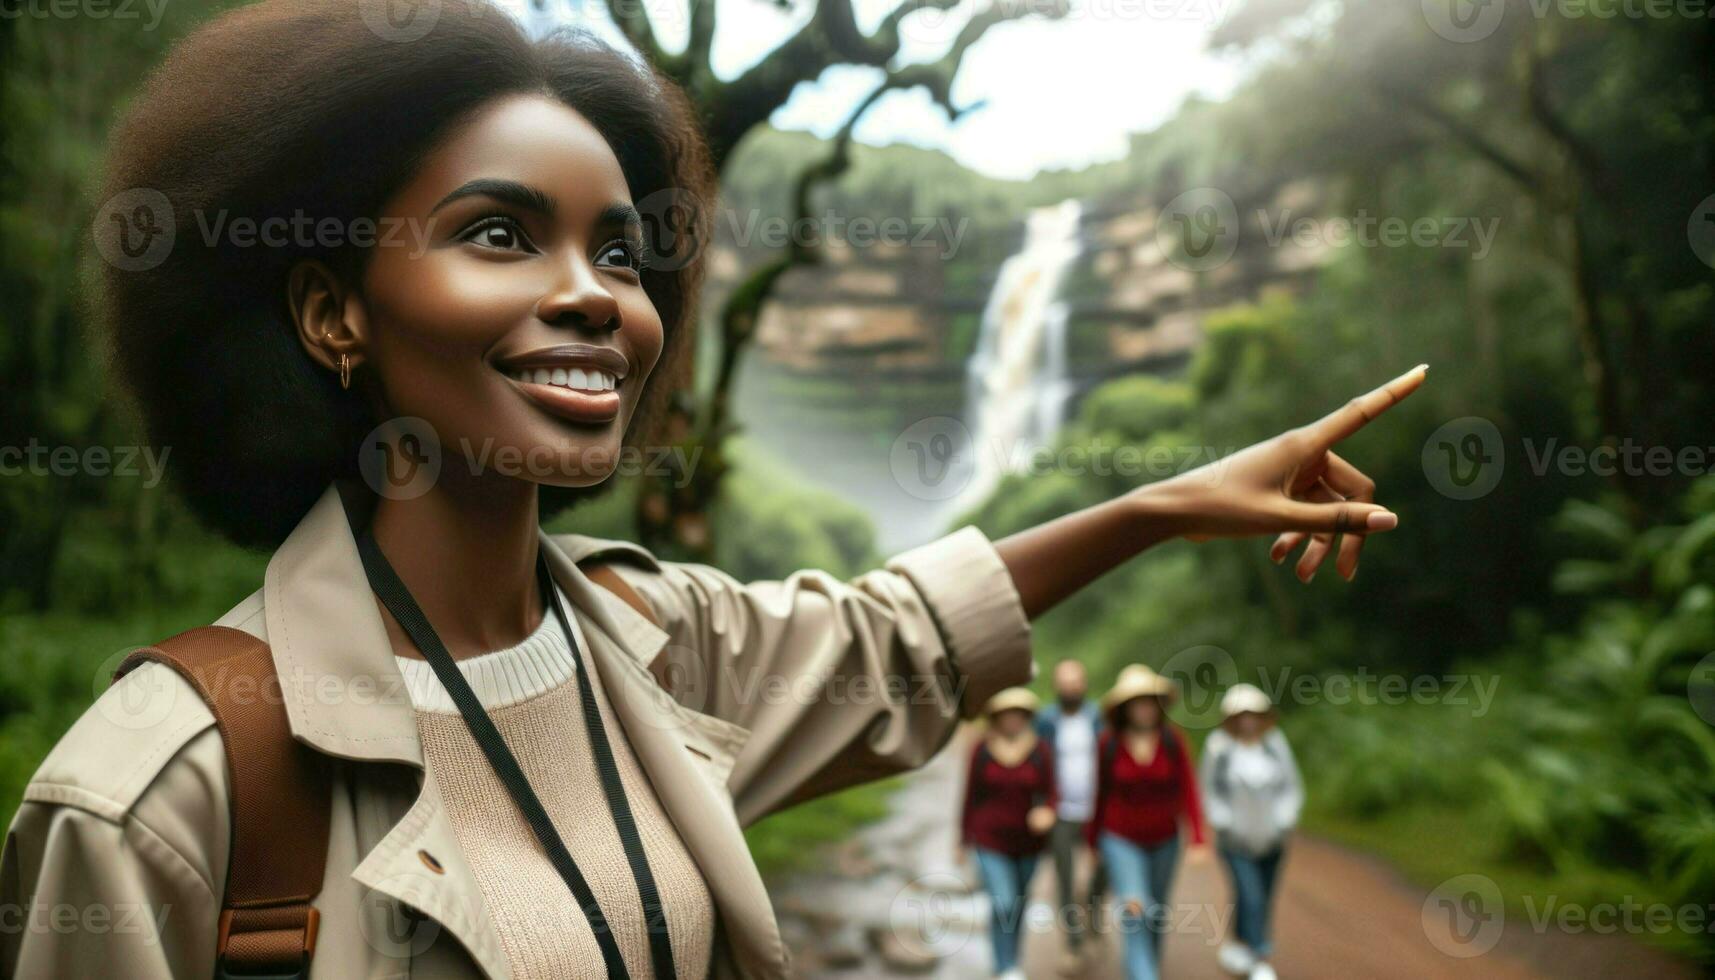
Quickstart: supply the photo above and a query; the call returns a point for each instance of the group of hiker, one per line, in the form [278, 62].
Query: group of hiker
[1119, 780]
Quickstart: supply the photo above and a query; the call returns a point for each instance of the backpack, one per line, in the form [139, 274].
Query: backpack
[280, 793]
[280, 798]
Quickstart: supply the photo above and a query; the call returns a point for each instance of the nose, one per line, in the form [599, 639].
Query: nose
[579, 299]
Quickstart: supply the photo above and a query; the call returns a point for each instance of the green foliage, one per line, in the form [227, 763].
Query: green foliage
[771, 525]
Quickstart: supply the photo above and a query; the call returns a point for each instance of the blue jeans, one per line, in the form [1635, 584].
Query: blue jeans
[1007, 881]
[1253, 895]
[1143, 875]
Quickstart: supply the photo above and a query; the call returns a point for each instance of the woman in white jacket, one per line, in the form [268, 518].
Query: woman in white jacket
[1252, 795]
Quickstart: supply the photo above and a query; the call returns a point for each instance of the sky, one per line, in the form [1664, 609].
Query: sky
[1054, 94]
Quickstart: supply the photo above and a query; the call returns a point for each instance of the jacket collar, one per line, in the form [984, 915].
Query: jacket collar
[344, 693]
[345, 697]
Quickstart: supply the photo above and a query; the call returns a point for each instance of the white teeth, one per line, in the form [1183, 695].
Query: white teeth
[577, 379]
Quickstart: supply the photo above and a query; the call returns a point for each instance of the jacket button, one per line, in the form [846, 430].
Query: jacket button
[430, 862]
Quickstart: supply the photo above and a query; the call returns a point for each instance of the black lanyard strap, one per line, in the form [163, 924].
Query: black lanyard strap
[393, 594]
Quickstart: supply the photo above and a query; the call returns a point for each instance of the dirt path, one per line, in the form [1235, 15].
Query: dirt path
[895, 892]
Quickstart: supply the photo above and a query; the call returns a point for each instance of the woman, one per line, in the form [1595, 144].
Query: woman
[1146, 790]
[1253, 792]
[1008, 810]
[378, 293]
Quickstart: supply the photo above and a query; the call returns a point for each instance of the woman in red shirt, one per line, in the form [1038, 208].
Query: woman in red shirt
[1146, 785]
[1008, 809]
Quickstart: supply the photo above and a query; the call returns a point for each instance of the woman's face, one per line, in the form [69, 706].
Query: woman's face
[511, 314]
[1248, 726]
[1143, 713]
[1011, 722]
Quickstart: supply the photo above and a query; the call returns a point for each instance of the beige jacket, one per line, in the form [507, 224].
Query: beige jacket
[780, 691]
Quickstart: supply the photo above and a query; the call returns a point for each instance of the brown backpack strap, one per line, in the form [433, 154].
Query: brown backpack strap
[279, 795]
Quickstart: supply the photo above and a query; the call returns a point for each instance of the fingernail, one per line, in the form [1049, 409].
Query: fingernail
[1382, 520]
[1424, 367]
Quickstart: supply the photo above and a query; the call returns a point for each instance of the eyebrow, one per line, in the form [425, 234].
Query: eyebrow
[508, 191]
[532, 199]
[621, 214]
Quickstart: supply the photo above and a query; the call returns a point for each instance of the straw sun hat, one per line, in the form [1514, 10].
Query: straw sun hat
[1138, 681]
[1241, 698]
[1012, 697]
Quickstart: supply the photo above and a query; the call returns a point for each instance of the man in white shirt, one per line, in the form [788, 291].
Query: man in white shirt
[1070, 726]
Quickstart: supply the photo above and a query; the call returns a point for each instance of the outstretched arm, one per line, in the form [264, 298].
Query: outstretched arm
[1294, 486]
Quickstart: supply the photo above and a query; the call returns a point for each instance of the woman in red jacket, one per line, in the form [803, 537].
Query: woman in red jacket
[1008, 811]
[1146, 787]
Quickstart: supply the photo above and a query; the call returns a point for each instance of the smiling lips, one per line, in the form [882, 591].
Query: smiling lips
[576, 383]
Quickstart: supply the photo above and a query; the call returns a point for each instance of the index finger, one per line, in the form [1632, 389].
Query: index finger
[1358, 412]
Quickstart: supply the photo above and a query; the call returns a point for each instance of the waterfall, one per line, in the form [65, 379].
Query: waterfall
[1017, 383]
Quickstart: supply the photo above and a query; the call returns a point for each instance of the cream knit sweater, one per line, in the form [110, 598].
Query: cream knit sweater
[531, 692]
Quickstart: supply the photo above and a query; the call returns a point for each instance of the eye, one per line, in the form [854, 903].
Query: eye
[497, 232]
[621, 254]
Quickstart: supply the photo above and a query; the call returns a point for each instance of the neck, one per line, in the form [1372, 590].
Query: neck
[466, 550]
[1071, 706]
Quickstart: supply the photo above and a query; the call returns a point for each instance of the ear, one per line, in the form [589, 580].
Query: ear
[330, 318]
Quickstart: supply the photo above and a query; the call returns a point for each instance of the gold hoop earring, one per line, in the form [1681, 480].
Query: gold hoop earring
[345, 370]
